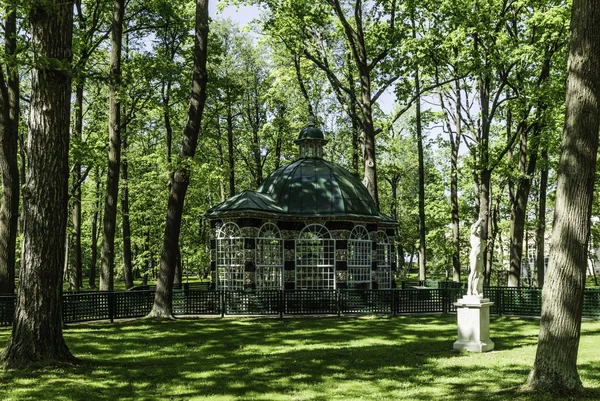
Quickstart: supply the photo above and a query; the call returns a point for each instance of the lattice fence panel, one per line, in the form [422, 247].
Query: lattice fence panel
[310, 302]
[86, 306]
[366, 301]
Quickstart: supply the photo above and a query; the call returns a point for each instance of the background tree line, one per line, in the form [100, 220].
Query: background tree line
[472, 108]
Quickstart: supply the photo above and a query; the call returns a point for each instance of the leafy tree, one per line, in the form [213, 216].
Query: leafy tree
[114, 150]
[163, 299]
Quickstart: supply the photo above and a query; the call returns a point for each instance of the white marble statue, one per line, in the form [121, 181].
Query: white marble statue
[476, 261]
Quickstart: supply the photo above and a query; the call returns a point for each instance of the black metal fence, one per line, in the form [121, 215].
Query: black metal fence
[90, 306]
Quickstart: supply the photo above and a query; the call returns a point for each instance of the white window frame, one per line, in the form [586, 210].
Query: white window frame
[360, 257]
[315, 259]
[384, 261]
[269, 258]
[230, 258]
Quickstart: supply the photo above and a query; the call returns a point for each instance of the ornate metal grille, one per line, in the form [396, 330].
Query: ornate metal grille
[230, 258]
[269, 258]
[315, 259]
[359, 257]
[384, 261]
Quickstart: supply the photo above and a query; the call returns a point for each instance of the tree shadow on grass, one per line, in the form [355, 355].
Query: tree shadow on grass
[316, 359]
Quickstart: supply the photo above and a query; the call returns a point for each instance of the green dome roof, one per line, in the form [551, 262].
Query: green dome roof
[310, 132]
[313, 186]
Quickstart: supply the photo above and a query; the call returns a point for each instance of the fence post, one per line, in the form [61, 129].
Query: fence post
[394, 301]
[445, 299]
[222, 299]
[338, 300]
[499, 301]
[111, 306]
[281, 304]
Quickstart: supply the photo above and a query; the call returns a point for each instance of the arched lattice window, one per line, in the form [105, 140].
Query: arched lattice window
[360, 258]
[230, 258]
[384, 261]
[269, 258]
[315, 259]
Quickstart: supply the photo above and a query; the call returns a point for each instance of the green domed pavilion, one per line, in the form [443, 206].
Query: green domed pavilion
[310, 225]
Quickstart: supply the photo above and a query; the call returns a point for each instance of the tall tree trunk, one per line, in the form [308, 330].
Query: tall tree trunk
[10, 110]
[230, 157]
[419, 129]
[555, 366]
[526, 172]
[166, 99]
[220, 161]
[356, 39]
[370, 173]
[163, 299]
[540, 232]
[279, 140]
[454, 149]
[125, 221]
[75, 267]
[37, 328]
[485, 175]
[96, 222]
[258, 174]
[114, 151]
[353, 118]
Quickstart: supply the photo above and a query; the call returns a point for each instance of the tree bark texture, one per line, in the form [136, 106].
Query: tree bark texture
[37, 328]
[114, 151]
[9, 125]
[163, 299]
[555, 366]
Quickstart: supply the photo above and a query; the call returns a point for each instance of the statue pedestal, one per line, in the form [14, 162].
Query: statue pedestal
[473, 315]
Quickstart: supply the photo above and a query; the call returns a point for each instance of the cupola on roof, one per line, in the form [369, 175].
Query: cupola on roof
[308, 187]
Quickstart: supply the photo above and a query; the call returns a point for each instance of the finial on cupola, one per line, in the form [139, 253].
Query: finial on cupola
[311, 140]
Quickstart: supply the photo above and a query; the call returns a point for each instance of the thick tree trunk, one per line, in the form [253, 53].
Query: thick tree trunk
[540, 232]
[555, 366]
[163, 299]
[37, 328]
[114, 152]
[9, 109]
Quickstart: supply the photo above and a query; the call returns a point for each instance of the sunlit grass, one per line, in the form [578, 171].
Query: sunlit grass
[371, 358]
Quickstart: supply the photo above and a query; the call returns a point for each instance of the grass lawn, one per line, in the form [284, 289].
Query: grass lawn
[369, 358]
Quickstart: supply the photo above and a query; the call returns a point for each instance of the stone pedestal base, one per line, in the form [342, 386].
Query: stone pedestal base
[473, 315]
